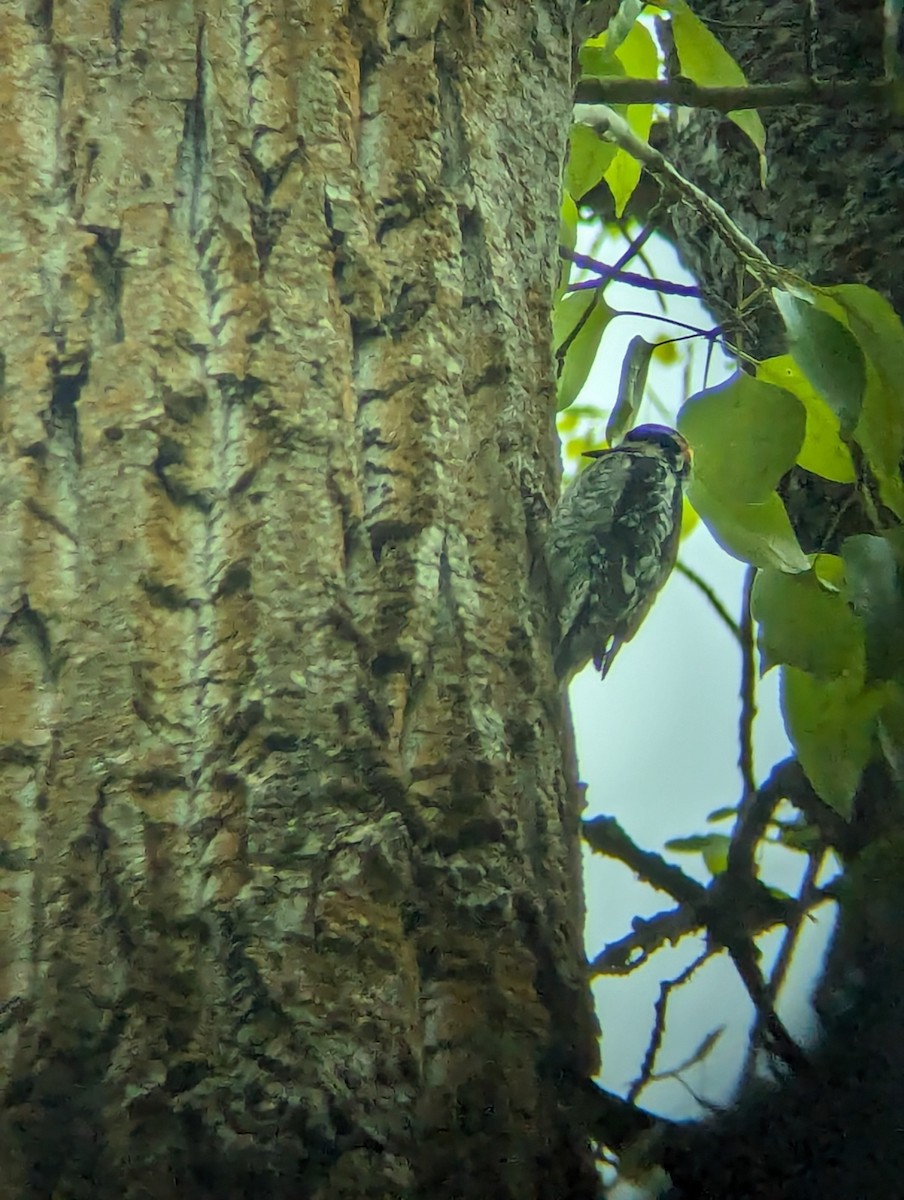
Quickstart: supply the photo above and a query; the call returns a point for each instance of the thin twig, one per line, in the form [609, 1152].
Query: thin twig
[783, 1044]
[748, 688]
[634, 247]
[611, 125]
[786, 781]
[631, 278]
[809, 896]
[654, 1043]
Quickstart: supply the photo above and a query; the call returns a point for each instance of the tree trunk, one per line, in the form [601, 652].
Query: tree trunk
[289, 852]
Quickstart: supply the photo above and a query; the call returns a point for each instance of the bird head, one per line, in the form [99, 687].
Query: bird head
[655, 439]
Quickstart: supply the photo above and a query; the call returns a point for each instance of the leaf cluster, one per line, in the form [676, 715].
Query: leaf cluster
[833, 622]
[829, 613]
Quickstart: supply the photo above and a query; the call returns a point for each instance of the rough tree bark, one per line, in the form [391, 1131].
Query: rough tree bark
[289, 866]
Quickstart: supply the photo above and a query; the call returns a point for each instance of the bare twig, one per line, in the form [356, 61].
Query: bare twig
[634, 247]
[615, 273]
[658, 1031]
[809, 896]
[646, 937]
[748, 688]
[606, 836]
[611, 125]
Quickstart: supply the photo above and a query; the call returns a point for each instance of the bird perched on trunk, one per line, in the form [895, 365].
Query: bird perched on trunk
[612, 543]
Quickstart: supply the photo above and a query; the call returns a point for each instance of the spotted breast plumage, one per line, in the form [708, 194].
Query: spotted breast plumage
[612, 542]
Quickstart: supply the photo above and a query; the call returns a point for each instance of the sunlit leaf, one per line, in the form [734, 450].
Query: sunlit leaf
[568, 228]
[759, 534]
[574, 448]
[823, 450]
[712, 846]
[638, 56]
[690, 519]
[623, 175]
[745, 435]
[705, 60]
[589, 157]
[578, 323]
[665, 351]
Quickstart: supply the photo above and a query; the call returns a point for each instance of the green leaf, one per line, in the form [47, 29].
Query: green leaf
[827, 353]
[880, 431]
[805, 624]
[705, 60]
[831, 724]
[623, 175]
[823, 451]
[575, 448]
[635, 367]
[715, 853]
[596, 58]
[690, 519]
[877, 328]
[873, 574]
[745, 435]
[578, 323]
[759, 534]
[891, 730]
[880, 437]
[588, 160]
[638, 56]
[714, 848]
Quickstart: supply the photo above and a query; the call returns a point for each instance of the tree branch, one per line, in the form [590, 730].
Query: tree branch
[605, 836]
[611, 125]
[682, 91]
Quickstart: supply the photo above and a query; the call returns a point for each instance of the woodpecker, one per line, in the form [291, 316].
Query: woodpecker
[612, 542]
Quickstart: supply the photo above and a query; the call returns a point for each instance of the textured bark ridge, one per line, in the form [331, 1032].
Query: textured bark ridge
[289, 865]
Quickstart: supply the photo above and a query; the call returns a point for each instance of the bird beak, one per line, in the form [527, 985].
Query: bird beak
[597, 453]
